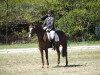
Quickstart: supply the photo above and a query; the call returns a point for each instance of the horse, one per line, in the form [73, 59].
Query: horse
[44, 43]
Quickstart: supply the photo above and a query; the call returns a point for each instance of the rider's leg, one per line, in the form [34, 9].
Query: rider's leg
[52, 34]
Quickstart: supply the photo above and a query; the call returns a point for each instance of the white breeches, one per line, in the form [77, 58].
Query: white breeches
[51, 35]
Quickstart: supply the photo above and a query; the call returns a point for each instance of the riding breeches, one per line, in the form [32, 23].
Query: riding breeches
[51, 35]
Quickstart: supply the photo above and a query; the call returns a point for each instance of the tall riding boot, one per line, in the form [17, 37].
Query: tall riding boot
[53, 44]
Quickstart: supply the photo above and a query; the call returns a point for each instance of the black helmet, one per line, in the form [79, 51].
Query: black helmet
[50, 11]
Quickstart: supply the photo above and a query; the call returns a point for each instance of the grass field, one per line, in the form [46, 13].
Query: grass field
[80, 63]
[17, 46]
[32, 45]
[85, 43]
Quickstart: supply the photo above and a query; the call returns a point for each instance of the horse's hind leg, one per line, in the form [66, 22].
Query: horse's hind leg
[46, 55]
[64, 49]
[58, 54]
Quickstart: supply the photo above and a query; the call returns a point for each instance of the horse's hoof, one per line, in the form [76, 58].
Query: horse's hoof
[42, 66]
[58, 65]
[66, 65]
[47, 66]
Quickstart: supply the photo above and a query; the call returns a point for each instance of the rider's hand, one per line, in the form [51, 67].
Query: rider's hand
[44, 28]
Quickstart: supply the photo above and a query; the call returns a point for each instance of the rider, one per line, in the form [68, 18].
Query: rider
[48, 25]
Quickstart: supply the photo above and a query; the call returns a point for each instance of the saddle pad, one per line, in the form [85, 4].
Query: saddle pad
[56, 37]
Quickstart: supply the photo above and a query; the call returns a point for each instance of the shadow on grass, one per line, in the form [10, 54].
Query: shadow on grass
[69, 66]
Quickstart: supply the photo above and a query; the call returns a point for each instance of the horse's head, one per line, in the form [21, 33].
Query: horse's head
[34, 28]
[30, 29]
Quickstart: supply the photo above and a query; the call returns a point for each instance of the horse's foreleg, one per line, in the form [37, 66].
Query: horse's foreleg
[58, 54]
[66, 60]
[46, 55]
[42, 57]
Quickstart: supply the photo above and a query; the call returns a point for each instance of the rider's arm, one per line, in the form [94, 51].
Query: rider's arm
[44, 17]
[44, 24]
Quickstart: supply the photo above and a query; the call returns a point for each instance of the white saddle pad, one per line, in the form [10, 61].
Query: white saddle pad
[56, 37]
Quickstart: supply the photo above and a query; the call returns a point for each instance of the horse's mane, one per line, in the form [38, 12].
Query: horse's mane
[38, 25]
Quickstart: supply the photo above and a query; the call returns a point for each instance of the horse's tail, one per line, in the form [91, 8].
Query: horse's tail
[64, 50]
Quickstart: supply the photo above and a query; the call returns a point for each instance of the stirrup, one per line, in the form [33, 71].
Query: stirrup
[53, 48]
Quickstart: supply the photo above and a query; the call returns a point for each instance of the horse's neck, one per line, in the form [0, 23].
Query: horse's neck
[40, 35]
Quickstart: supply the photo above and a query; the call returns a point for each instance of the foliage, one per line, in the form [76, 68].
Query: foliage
[77, 18]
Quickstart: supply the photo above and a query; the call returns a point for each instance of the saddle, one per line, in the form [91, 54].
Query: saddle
[49, 37]
[56, 37]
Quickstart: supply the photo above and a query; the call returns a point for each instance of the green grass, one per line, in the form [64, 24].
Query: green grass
[80, 63]
[84, 43]
[31, 45]
[17, 46]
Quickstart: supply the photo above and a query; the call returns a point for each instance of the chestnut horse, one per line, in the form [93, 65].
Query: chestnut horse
[44, 43]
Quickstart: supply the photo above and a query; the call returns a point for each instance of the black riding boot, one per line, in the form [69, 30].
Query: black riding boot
[53, 44]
